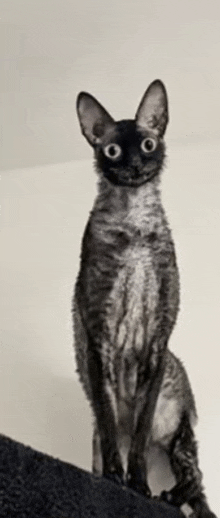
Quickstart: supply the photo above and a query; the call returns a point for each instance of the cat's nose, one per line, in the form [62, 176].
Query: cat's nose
[136, 164]
[136, 170]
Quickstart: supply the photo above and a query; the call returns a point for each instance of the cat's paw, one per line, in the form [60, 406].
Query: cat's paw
[139, 486]
[116, 478]
[166, 496]
[114, 471]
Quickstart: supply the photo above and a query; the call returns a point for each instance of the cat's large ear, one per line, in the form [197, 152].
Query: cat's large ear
[152, 113]
[94, 119]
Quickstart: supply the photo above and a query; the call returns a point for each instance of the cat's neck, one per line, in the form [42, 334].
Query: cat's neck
[129, 205]
[125, 198]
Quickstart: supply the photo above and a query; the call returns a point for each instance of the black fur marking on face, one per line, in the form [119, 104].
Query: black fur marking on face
[133, 166]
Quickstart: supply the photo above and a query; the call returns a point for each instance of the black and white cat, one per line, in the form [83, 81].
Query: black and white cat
[126, 303]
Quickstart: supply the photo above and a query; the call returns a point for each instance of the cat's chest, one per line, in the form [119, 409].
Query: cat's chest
[132, 299]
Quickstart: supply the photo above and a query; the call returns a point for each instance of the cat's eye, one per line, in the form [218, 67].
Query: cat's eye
[112, 151]
[148, 145]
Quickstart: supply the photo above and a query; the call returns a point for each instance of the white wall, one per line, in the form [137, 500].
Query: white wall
[52, 50]
[43, 214]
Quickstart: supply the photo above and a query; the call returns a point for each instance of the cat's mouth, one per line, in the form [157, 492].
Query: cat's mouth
[132, 177]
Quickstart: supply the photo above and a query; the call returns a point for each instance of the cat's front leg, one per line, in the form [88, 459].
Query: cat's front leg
[151, 372]
[149, 390]
[104, 408]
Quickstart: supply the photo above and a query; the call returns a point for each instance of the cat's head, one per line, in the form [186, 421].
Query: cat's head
[128, 152]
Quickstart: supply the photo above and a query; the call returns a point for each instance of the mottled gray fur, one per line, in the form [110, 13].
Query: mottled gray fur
[125, 306]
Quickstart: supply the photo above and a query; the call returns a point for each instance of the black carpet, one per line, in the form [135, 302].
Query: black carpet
[34, 485]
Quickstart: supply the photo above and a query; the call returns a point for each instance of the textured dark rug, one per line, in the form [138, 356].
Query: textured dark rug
[34, 485]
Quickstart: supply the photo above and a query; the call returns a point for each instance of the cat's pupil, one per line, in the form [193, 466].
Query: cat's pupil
[112, 150]
[148, 144]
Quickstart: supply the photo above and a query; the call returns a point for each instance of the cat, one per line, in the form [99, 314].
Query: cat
[125, 306]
